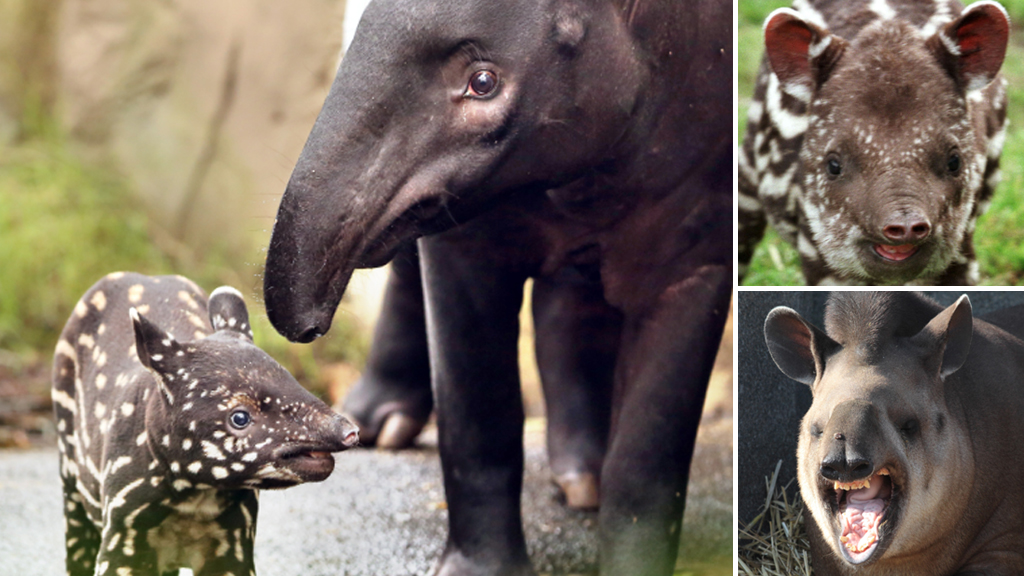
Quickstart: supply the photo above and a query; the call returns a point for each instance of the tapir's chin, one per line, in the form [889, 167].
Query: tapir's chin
[865, 514]
[888, 263]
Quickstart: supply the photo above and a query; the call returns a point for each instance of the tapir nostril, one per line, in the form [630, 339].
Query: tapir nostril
[920, 230]
[895, 232]
[913, 229]
[308, 335]
[842, 470]
[351, 439]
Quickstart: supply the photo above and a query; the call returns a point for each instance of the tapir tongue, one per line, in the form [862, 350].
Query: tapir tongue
[864, 508]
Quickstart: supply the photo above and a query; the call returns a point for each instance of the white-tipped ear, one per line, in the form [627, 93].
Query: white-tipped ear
[972, 47]
[801, 53]
[228, 312]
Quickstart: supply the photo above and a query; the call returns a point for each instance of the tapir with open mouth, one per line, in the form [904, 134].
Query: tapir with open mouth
[910, 455]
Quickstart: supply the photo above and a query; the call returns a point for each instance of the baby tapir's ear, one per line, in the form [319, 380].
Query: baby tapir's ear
[973, 46]
[801, 53]
[157, 350]
[228, 312]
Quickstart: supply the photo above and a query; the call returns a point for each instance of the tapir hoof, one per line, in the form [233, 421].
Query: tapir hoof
[399, 431]
[580, 489]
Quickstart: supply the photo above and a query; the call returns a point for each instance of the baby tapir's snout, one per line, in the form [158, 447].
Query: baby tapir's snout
[851, 442]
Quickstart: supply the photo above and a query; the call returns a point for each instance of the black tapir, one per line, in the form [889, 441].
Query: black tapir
[908, 454]
[545, 137]
[169, 420]
[874, 137]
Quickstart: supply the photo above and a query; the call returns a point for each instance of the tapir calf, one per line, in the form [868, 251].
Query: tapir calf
[910, 455]
[874, 138]
[169, 421]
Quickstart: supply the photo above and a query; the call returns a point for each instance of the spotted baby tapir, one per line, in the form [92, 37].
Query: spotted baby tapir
[170, 420]
[874, 138]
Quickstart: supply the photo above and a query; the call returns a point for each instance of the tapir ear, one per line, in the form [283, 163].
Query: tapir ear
[798, 348]
[973, 46]
[156, 349]
[801, 54]
[946, 340]
[228, 312]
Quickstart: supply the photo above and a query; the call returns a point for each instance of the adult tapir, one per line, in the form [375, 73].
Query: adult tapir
[531, 138]
[908, 456]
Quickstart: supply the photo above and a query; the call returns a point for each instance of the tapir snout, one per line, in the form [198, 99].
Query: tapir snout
[851, 442]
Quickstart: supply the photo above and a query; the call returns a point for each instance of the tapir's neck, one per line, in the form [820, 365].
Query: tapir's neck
[678, 40]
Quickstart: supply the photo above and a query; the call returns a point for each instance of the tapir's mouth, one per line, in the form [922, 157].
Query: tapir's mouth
[310, 463]
[895, 253]
[865, 513]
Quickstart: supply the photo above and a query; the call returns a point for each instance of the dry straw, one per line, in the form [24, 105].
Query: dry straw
[775, 543]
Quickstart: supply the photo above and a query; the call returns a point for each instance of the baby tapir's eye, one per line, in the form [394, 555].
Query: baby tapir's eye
[953, 163]
[482, 84]
[240, 419]
[834, 167]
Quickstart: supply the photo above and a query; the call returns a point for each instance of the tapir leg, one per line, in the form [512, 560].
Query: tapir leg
[393, 394]
[577, 336]
[81, 537]
[473, 301]
[661, 379]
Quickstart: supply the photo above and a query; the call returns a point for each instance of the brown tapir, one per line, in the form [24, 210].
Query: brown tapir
[910, 457]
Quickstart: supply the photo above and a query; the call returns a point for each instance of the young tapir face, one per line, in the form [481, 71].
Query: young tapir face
[228, 415]
[880, 452]
[439, 108]
[894, 151]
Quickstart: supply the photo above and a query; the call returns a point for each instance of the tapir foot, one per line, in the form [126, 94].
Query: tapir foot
[580, 490]
[399, 431]
[389, 416]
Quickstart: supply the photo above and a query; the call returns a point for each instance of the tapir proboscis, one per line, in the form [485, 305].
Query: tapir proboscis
[589, 139]
[908, 456]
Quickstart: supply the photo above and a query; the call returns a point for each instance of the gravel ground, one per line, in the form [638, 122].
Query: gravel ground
[382, 514]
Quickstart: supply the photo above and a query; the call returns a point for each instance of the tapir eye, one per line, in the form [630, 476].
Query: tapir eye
[240, 419]
[482, 83]
[953, 163]
[910, 427]
[834, 167]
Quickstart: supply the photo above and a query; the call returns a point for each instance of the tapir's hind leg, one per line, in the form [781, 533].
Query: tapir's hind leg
[577, 336]
[661, 380]
[392, 400]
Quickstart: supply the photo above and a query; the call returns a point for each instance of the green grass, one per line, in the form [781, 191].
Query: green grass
[65, 222]
[999, 239]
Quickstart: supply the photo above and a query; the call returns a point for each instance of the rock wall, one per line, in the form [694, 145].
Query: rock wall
[204, 106]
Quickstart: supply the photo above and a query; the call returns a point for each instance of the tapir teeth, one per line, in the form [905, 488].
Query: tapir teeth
[855, 485]
[883, 472]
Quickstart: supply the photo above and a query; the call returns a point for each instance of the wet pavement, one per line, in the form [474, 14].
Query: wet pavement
[384, 514]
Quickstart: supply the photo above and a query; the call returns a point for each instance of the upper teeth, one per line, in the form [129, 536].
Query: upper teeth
[858, 484]
[855, 485]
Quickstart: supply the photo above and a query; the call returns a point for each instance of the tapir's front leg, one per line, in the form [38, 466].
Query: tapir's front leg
[472, 322]
[230, 552]
[661, 379]
[81, 537]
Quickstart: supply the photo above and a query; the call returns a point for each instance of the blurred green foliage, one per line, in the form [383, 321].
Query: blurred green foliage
[999, 240]
[65, 221]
